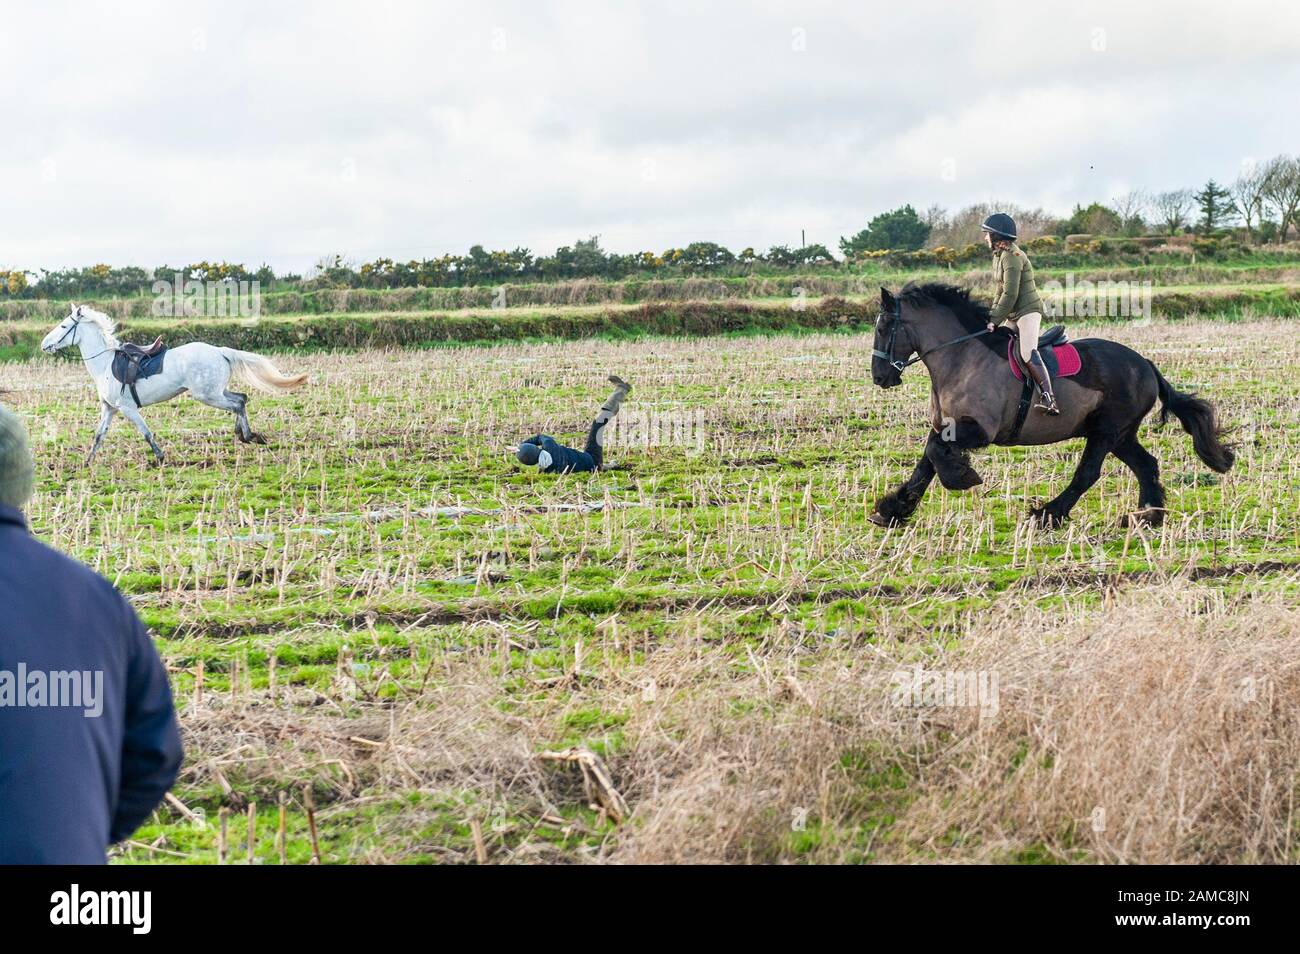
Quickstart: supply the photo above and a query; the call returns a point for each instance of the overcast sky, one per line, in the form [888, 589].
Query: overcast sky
[263, 132]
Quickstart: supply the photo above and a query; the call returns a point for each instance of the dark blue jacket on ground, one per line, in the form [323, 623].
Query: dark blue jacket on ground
[71, 785]
[564, 460]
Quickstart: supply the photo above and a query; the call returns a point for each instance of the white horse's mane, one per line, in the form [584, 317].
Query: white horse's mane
[106, 325]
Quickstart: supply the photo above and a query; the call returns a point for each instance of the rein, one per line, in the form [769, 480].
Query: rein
[888, 354]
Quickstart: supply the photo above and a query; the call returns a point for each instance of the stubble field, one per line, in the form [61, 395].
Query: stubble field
[382, 618]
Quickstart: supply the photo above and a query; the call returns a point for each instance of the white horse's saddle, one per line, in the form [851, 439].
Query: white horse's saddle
[131, 362]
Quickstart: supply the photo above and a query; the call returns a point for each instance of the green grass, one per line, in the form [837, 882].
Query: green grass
[756, 554]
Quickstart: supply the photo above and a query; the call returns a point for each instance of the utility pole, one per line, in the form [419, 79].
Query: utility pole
[803, 239]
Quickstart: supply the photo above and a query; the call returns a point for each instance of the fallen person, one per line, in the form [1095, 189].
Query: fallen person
[552, 457]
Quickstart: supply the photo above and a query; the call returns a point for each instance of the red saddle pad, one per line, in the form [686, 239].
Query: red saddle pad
[1067, 360]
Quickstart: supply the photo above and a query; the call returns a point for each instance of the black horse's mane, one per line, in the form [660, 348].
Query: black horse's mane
[973, 315]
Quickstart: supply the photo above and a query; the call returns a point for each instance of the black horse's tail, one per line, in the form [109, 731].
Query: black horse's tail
[1199, 419]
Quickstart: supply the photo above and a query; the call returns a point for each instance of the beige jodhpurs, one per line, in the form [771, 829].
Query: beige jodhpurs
[1027, 326]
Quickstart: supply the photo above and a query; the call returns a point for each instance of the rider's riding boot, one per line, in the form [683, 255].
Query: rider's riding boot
[610, 407]
[1047, 401]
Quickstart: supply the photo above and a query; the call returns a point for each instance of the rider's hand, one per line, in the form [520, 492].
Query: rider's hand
[991, 328]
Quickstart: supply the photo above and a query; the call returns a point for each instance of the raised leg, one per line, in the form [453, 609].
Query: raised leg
[895, 508]
[243, 430]
[106, 414]
[237, 404]
[132, 414]
[1151, 494]
[947, 452]
[595, 435]
[1057, 511]
[595, 442]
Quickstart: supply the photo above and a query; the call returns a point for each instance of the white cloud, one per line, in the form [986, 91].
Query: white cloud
[162, 133]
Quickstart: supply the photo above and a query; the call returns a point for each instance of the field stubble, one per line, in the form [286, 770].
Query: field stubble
[381, 617]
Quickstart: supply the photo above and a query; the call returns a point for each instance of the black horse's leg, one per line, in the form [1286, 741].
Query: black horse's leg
[1151, 494]
[1057, 511]
[947, 451]
[894, 508]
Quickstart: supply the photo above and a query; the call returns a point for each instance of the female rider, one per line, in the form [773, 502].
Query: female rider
[1016, 301]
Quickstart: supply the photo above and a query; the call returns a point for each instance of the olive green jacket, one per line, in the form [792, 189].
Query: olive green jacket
[1015, 292]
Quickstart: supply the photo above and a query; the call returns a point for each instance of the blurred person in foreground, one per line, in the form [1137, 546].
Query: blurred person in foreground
[89, 742]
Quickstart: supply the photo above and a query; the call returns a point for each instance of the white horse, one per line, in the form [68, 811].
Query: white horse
[202, 369]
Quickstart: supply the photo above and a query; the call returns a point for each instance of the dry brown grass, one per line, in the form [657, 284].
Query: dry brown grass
[1163, 727]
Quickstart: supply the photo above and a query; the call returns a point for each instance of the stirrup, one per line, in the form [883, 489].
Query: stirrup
[1046, 394]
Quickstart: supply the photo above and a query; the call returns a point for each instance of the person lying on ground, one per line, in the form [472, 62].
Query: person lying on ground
[552, 457]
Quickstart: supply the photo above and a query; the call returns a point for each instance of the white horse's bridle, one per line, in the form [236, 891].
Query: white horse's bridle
[76, 323]
[77, 319]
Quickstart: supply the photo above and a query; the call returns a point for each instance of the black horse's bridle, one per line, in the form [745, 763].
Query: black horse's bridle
[895, 319]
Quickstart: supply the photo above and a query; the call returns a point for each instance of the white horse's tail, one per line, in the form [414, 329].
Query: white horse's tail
[260, 372]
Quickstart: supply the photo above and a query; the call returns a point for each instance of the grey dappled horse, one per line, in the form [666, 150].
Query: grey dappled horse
[202, 369]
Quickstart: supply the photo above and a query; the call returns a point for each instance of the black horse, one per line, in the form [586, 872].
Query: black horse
[975, 401]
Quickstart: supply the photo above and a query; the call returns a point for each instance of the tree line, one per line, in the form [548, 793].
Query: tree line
[1261, 206]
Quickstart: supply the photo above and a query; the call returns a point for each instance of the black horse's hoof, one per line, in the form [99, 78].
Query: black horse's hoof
[1146, 517]
[256, 438]
[961, 480]
[891, 511]
[1048, 518]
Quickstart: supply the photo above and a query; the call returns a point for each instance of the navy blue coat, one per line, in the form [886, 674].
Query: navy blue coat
[72, 785]
[564, 460]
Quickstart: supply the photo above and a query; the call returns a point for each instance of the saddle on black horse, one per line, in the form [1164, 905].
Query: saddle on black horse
[132, 362]
[1048, 343]
[1059, 357]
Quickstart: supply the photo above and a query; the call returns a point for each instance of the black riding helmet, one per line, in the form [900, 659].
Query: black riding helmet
[999, 223]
